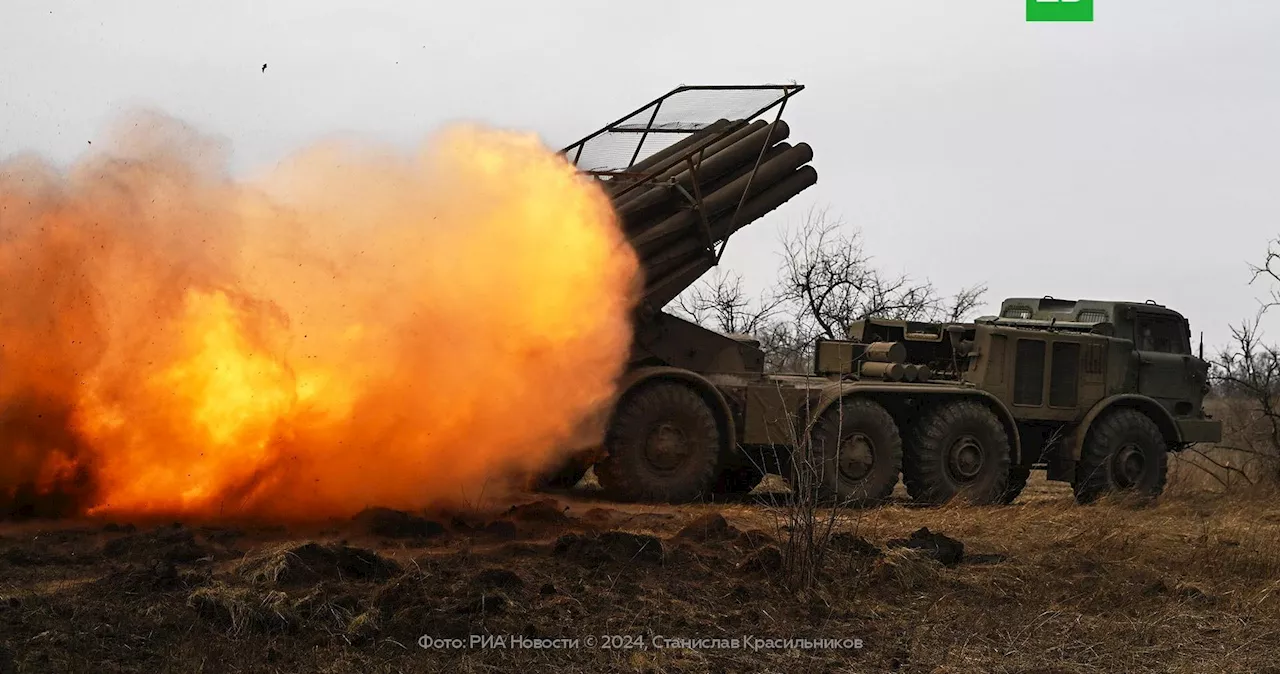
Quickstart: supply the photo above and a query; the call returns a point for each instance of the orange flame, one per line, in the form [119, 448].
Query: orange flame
[354, 328]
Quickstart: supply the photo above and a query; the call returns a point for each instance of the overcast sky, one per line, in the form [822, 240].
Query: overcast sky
[1134, 157]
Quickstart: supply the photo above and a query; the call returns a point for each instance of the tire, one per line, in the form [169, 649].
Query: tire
[737, 480]
[1124, 451]
[857, 455]
[663, 444]
[1018, 476]
[958, 449]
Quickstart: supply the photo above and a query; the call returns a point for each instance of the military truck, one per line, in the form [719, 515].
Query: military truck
[1096, 393]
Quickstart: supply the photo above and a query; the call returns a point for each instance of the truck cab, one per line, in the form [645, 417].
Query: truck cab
[1160, 363]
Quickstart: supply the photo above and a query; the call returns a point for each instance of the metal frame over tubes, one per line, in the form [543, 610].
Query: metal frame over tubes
[692, 156]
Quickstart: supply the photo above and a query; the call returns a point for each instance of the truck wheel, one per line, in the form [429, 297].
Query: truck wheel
[663, 445]
[960, 449]
[857, 455]
[1123, 452]
[1018, 476]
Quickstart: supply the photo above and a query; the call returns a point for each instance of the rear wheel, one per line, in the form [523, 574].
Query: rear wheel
[958, 449]
[663, 444]
[857, 455]
[1124, 451]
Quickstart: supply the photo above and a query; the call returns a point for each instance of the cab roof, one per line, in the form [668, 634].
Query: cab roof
[1084, 312]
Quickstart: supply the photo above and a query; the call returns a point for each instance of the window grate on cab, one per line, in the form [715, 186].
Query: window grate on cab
[1092, 316]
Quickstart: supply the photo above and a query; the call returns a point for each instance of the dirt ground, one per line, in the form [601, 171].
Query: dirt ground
[1190, 584]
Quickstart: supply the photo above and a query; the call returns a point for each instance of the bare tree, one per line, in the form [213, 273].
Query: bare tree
[828, 278]
[1246, 378]
[1268, 270]
[721, 303]
[961, 306]
[826, 283]
[1246, 396]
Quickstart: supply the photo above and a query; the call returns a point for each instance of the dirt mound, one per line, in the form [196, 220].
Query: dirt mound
[243, 609]
[403, 592]
[939, 547]
[156, 576]
[610, 546]
[390, 523]
[711, 527]
[174, 543]
[543, 511]
[767, 560]
[306, 563]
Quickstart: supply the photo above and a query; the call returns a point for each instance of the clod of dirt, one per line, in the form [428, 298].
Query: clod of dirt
[850, 543]
[396, 524]
[546, 510]
[940, 547]
[610, 546]
[174, 543]
[708, 528]
[547, 589]
[765, 560]
[293, 564]
[498, 578]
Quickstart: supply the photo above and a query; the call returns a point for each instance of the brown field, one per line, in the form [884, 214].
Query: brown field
[1190, 584]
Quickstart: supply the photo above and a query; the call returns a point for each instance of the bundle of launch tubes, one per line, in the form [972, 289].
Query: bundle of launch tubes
[679, 215]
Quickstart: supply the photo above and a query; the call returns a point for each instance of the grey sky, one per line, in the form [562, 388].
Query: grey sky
[1135, 157]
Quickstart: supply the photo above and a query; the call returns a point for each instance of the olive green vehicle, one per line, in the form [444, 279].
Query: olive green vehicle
[1097, 393]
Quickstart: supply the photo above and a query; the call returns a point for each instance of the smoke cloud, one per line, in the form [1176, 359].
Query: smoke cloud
[357, 326]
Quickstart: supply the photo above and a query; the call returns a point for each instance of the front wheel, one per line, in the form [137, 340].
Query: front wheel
[1124, 451]
[663, 444]
[958, 449]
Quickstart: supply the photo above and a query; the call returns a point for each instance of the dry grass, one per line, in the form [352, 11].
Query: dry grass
[1189, 584]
